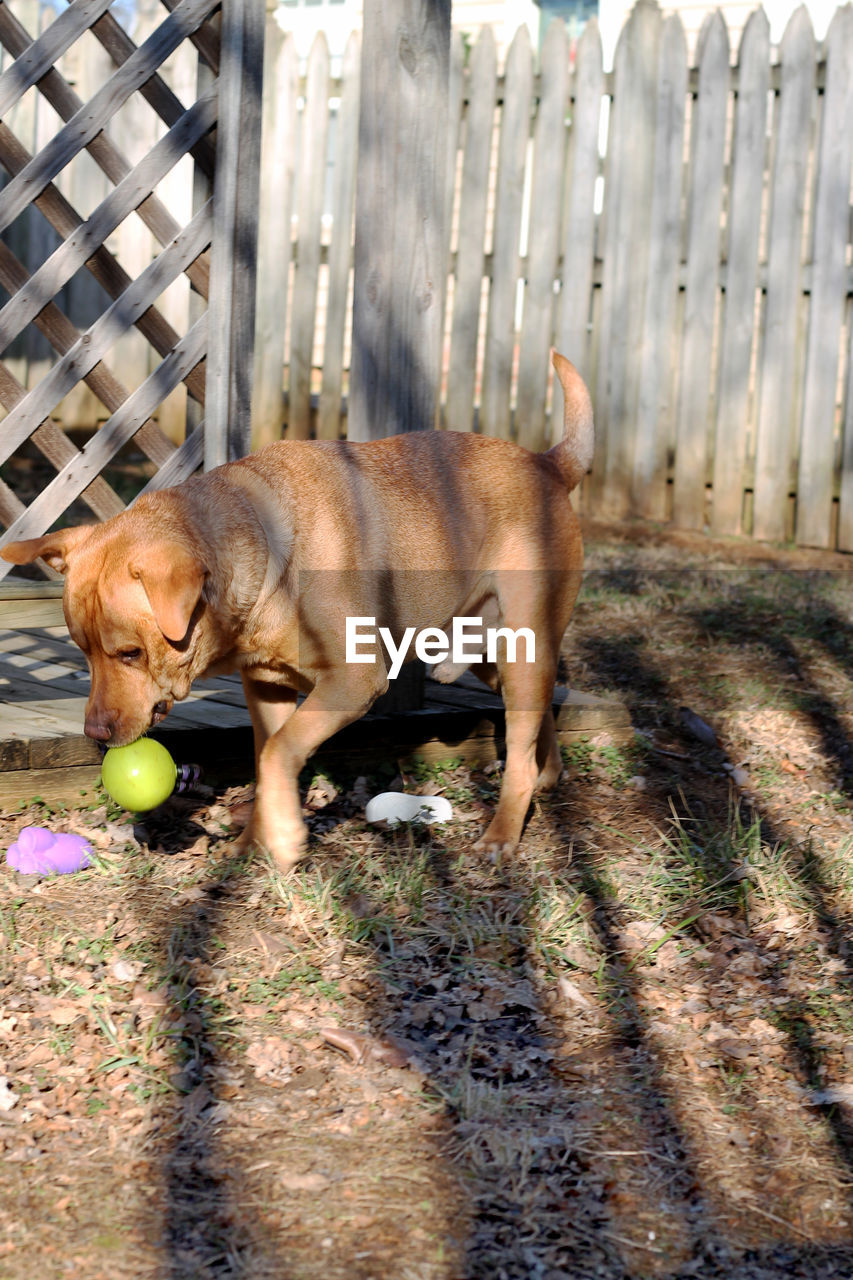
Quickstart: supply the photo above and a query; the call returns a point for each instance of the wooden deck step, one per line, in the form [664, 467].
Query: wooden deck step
[43, 751]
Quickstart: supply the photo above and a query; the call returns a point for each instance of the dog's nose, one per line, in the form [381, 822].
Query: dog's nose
[99, 727]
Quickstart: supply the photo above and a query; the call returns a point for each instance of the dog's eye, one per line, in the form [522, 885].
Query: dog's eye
[129, 655]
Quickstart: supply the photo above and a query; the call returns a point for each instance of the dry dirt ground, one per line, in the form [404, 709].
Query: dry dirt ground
[626, 1052]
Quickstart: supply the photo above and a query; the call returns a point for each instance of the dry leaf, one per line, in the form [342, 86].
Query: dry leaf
[640, 934]
[126, 970]
[320, 793]
[305, 1181]
[63, 1013]
[268, 1056]
[365, 1048]
[739, 1050]
[573, 994]
[272, 943]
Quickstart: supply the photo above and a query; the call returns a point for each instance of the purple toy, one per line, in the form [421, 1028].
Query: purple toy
[38, 851]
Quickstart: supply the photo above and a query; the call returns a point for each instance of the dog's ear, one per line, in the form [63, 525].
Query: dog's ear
[172, 576]
[56, 548]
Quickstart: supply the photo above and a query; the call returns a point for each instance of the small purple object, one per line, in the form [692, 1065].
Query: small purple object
[38, 851]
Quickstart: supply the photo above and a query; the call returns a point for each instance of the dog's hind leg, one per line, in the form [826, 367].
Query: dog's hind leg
[548, 758]
[532, 756]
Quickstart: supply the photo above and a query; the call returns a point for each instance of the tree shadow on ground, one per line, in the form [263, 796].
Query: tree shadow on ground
[207, 1228]
[570, 1133]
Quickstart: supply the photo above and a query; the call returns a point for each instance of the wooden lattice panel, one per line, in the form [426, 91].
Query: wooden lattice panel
[78, 235]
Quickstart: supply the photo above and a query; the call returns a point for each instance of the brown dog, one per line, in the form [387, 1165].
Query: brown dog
[257, 565]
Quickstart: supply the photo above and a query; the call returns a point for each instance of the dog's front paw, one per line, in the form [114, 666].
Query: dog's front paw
[495, 844]
[285, 848]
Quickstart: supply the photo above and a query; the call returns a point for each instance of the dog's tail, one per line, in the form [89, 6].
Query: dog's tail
[573, 455]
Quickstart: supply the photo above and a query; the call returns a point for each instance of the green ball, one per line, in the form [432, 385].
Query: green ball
[139, 776]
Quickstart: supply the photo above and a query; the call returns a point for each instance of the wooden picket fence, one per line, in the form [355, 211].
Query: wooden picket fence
[681, 232]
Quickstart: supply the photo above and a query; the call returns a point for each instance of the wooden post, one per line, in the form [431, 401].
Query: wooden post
[400, 237]
[400, 211]
[230, 362]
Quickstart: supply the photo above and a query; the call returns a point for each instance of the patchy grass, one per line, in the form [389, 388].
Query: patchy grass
[624, 1052]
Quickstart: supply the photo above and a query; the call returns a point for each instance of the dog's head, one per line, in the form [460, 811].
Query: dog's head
[132, 600]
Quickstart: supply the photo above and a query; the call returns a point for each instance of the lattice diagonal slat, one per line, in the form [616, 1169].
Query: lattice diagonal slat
[94, 116]
[67, 104]
[93, 345]
[38, 180]
[108, 272]
[46, 282]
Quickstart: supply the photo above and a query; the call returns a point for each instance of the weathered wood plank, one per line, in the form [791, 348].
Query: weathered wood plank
[47, 49]
[78, 247]
[496, 399]
[94, 344]
[95, 114]
[537, 325]
[827, 299]
[703, 256]
[36, 612]
[278, 163]
[155, 91]
[340, 248]
[470, 252]
[779, 369]
[120, 427]
[627, 211]
[399, 237]
[230, 364]
[738, 320]
[455, 111]
[655, 424]
[24, 715]
[52, 785]
[185, 460]
[579, 218]
[309, 212]
[845, 513]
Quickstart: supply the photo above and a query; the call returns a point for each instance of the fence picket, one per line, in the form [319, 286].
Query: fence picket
[309, 211]
[779, 360]
[655, 411]
[496, 404]
[470, 251]
[845, 514]
[340, 248]
[739, 300]
[278, 161]
[828, 288]
[703, 258]
[543, 238]
[628, 200]
[579, 218]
